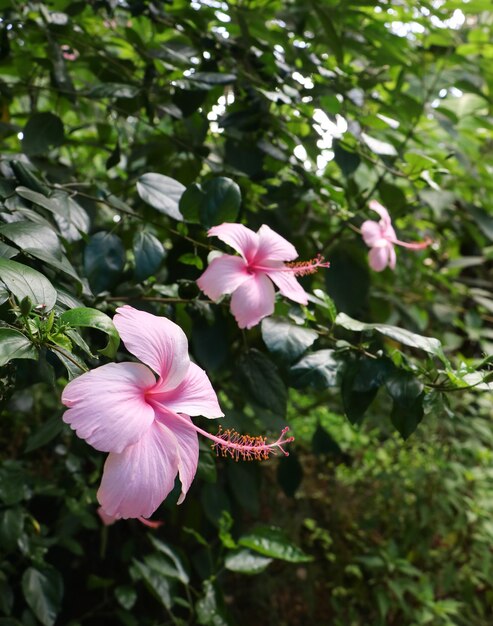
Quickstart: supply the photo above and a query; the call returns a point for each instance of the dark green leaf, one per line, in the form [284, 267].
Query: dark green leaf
[92, 318]
[360, 384]
[44, 434]
[43, 591]
[407, 393]
[15, 345]
[42, 132]
[289, 473]
[162, 193]
[191, 203]
[113, 90]
[148, 252]
[272, 542]
[263, 382]
[23, 281]
[285, 340]
[157, 584]
[222, 202]
[180, 572]
[104, 259]
[318, 370]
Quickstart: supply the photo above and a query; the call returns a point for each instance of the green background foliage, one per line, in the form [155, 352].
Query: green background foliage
[127, 130]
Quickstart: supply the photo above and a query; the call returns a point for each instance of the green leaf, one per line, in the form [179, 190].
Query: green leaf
[15, 345]
[23, 281]
[162, 193]
[209, 613]
[407, 392]
[189, 258]
[272, 542]
[285, 340]
[43, 591]
[246, 562]
[113, 90]
[212, 78]
[406, 337]
[6, 251]
[191, 202]
[39, 241]
[318, 370]
[222, 202]
[483, 219]
[126, 596]
[42, 132]
[360, 384]
[262, 380]
[179, 570]
[11, 527]
[104, 259]
[92, 318]
[157, 584]
[44, 434]
[148, 252]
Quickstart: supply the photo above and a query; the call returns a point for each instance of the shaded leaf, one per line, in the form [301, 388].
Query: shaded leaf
[104, 259]
[148, 253]
[15, 345]
[263, 382]
[272, 542]
[285, 340]
[162, 193]
[23, 281]
[43, 591]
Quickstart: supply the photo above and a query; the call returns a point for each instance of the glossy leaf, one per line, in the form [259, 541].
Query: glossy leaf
[92, 318]
[272, 542]
[104, 259]
[401, 335]
[162, 193]
[15, 345]
[149, 254]
[23, 281]
[246, 562]
[263, 382]
[285, 340]
[42, 132]
[43, 591]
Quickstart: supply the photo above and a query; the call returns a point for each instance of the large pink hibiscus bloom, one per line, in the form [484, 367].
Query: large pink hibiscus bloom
[380, 237]
[251, 277]
[142, 422]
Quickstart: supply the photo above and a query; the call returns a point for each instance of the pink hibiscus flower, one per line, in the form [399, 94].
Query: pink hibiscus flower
[251, 277]
[380, 237]
[145, 423]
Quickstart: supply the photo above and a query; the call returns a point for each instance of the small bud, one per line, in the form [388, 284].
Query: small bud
[25, 306]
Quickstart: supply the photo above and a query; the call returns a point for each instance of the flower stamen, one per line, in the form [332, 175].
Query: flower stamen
[303, 268]
[247, 447]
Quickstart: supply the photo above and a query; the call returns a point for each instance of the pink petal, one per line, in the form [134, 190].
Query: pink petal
[392, 257]
[380, 257]
[187, 445]
[193, 396]
[239, 237]
[288, 285]
[371, 232]
[156, 341]
[382, 211]
[224, 275]
[137, 480]
[253, 301]
[107, 407]
[105, 518]
[274, 247]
